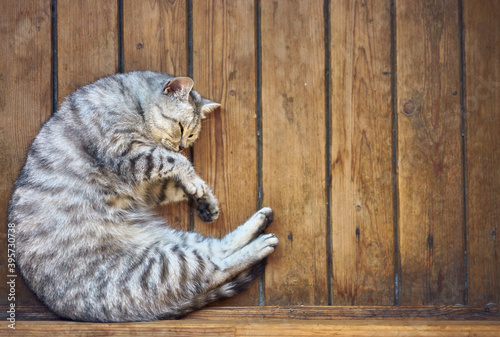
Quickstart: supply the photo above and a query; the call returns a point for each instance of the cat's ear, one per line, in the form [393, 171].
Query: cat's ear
[207, 106]
[179, 87]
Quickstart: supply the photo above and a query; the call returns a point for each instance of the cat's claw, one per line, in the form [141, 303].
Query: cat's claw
[268, 213]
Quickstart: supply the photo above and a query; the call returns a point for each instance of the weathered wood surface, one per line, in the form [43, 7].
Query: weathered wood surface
[414, 186]
[262, 328]
[482, 124]
[149, 44]
[293, 151]
[25, 103]
[429, 156]
[446, 313]
[361, 164]
[87, 43]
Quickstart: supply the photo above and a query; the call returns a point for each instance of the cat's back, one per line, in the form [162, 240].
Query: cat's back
[62, 172]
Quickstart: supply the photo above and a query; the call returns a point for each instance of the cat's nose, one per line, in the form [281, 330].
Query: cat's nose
[181, 147]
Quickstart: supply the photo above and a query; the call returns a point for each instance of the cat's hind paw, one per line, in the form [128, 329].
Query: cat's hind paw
[263, 245]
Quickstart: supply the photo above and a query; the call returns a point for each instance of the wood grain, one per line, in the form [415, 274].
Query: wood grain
[87, 41]
[482, 99]
[25, 104]
[155, 37]
[361, 163]
[434, 313]
[293, 154]
[261, 328]
[429, 154]
[225, 155]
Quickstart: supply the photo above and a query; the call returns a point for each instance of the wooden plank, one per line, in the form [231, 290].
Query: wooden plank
[361, 164]
[260, 328]
[429, 153]
[225, 155]
[25, 104]
[446, 313]
[293, 154]
[87, 41]
[482, 75]
[155, 38]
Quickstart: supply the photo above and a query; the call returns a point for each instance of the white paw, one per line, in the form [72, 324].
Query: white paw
[195, 188]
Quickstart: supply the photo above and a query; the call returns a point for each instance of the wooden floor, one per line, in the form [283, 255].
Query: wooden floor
[449, 321]
[371, 127]
[246, 327]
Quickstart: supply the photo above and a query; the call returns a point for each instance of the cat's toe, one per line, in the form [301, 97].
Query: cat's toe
[268, 212]
[271, 240]
[265, 244]
[190, 189]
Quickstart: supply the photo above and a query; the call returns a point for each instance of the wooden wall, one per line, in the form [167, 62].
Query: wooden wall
[371, 127]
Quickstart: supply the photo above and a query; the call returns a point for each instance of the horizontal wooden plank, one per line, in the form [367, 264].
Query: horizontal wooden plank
[261, 328]
[459, 312]
[449, 313]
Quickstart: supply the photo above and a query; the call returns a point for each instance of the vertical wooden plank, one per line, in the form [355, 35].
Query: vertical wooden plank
[294, 158]
[87, 38]
[225, 155]
[482, 75]
[361, 164]
[429, 153]
[25, 103]
[155, 38]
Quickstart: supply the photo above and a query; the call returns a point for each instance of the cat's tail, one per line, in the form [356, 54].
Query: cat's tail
[232, 287]
[238, 284]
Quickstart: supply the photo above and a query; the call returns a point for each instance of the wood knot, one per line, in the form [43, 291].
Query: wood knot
[409, 108]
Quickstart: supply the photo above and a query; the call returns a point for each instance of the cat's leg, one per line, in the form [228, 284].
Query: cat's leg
[211, 269]
[245, 233]
[243, 247]
[153, 163]
[166, 192]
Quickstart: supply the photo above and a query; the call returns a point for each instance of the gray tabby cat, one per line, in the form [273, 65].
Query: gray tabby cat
[88, 241]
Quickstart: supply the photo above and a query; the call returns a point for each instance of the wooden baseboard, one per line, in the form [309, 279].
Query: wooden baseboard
[439, 321]
[262, 327]
[442, 312]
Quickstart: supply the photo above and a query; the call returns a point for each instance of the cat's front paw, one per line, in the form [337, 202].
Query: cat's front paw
[196, 188]
[203, 198]
[207, 207]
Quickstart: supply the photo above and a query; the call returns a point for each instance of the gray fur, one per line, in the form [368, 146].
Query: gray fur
[88, 241]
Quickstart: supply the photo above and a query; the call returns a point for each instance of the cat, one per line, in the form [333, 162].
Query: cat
[89, 243]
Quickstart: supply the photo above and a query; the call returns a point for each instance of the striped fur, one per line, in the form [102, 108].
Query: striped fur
[88, 241]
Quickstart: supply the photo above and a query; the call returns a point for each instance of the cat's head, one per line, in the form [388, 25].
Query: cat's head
[174, 119]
